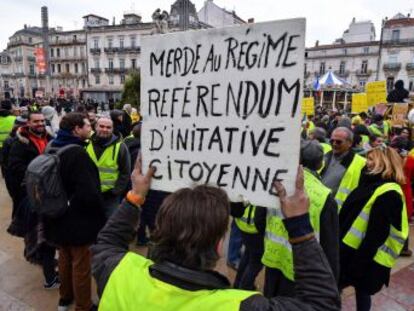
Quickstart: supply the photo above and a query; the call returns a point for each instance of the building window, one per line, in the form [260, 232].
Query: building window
[96, 63]
[364, 66]
[362, 83]
[122, 63]
[30, 40]
[59, 68]
[97, 79]
[66, 50]
[121, 42]
[52, 53]
[111, 80]
[345, 51]
[133, 41]
[83, 67]
[67, 68]
[75, 37]
[53, 68]
[411, 84]
[75, 51]
[133, 63]
[395, 36]
[366, 50]
[122, 79]
[96, 43]
[32, 69]
[390, 84]
[342, 68]
[109, 42]
[76, 68]
[83, 83]
[6, 84]
[393, 59]
[57, 38]
[57, 52]
[322, 68]
[110, 63]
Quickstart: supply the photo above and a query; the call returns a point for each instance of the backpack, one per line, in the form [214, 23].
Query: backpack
[44, 184]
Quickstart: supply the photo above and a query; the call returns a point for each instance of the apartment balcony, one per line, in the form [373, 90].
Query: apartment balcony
[95, 51]
[116, 70]
[363, 73]
[342, 74]
[31, 58]
[96, 70]
[392, 66]
[62, 42]
[130, 49]
[399, 42]
[111, 50]
[59, 59]
[410, 67]
[18, 59]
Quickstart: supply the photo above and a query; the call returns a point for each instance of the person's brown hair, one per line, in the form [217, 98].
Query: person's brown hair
[388, 163]
[189, 226]
[72, 120]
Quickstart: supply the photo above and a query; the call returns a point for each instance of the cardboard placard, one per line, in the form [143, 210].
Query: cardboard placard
[399, 114]
[376, 92]
[359, 103]
[308, 106]
[222, 107]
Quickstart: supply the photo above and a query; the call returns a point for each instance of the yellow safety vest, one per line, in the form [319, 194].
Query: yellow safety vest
[6, 126]
[378, 131]
[107, 165]
[365, 139]
[278, 251]
[246, 222]
[388, 252]
[326, 147]
[131, 287]
[350, 180]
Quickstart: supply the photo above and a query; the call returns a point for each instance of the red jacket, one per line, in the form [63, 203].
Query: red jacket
[409, 175]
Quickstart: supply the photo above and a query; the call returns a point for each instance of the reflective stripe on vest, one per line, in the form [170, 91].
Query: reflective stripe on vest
[246, 222]
[6, 126]
[350, 180]
[388, 252]
[278, 251]
[107, 165]
[131, 287]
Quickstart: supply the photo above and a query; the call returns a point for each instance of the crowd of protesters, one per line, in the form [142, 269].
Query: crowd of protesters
[346, 225]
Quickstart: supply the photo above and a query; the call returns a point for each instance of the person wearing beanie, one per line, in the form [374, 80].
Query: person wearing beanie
[279, 274]
[320, 134]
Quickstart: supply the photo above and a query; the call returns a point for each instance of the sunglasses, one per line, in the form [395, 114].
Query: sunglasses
[336, 142]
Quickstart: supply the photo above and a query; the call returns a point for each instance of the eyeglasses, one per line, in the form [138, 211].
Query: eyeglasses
[336, 142]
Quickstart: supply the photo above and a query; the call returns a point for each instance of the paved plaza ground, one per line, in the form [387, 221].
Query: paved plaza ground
[21, 283]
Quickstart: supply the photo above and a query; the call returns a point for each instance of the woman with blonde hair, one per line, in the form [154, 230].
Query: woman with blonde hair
[373, 226]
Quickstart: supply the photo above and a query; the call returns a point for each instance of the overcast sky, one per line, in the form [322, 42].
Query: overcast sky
[326, 19]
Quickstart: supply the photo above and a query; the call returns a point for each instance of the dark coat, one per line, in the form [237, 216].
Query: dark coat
[357, 266]
[85, 217]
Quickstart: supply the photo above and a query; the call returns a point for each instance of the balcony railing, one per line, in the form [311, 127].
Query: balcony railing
[363, 73]
[409, 67]
[95, 51]
[116, 70]
[18, 58]
[399, 42]
[96, 70]
[67, 42]
[68, 59]
[111, 50]
[31, 58]
[344, 73]
[392, 66]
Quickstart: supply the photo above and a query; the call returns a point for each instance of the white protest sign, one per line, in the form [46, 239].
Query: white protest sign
[222, 107]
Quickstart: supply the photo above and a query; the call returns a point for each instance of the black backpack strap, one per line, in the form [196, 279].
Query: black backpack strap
[67, 147]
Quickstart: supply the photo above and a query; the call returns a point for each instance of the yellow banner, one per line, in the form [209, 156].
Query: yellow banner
[359, 103]
[308, 106]
[376, 92]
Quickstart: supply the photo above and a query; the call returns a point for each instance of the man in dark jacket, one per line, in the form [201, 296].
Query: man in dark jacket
[31, 140]
[398, 94]
[188, 245]
[111, 156]
[78, 228]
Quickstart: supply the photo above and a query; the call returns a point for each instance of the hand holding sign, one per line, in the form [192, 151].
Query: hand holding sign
[141, 183]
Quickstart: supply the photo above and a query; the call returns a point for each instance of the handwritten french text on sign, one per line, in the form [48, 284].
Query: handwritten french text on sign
[308, 106]
[222, 107]
[376, 92]
[359, 103]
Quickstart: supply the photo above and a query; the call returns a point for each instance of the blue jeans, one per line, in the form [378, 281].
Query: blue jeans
[235, 244]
